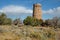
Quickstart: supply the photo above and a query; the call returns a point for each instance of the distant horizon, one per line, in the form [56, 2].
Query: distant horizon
[23, 8]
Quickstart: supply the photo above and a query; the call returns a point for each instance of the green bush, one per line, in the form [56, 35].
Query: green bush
[32, 21]
[4, 20]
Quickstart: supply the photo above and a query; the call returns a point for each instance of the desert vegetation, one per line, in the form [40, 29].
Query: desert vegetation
[32, 29]
[54, 22]
[26, 33]
[4, 20]
[32, 21]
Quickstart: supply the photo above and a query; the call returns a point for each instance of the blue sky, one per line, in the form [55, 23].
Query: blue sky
[23, 8]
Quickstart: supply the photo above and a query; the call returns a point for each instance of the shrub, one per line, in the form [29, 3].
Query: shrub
[32, 21]
[4, 20]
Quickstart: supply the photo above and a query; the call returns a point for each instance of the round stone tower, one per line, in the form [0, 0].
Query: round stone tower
[37, 12]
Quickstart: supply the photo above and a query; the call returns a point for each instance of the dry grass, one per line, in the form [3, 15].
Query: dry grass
[8, 32]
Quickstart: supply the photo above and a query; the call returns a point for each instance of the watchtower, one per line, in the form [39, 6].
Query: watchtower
[37, 12]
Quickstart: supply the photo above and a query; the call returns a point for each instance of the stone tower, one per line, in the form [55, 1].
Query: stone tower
[37, 12]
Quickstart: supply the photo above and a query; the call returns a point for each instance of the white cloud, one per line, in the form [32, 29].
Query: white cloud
[15, 9]
[54, 11]
[48, 11]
